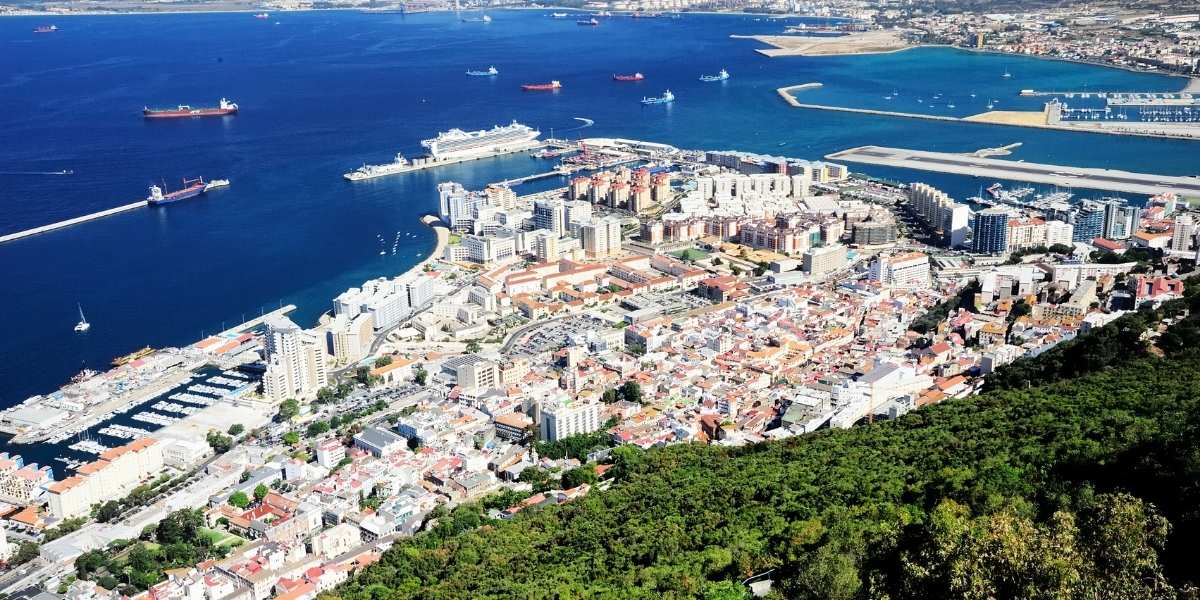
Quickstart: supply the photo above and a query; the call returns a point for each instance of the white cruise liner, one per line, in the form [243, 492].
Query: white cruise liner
[457, 143]
[399, 165]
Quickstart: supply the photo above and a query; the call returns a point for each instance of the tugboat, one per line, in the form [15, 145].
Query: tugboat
[490, 72]
[666, 98]
[541, 87]
[634, 77]
[720, 76]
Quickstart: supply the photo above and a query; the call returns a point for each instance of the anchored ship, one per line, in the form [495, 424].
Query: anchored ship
[399, 165]
[541, 87]
[489, 72]
[224, 107]
[634, 77]
[191, 189]
[559, 15]
[45, 29]
[457, 143]
[588, 22]
[666, 98]
[720, 76]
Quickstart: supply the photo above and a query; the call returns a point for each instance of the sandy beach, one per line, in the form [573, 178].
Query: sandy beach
[868, 42]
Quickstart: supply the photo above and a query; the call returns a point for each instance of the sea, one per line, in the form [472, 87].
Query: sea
[323, 92]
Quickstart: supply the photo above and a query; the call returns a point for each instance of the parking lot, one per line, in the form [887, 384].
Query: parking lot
[555, 334]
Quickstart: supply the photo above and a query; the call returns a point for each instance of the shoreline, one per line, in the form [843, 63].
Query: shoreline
[1191, 85]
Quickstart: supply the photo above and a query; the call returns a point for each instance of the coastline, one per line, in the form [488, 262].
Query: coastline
[1191, 85]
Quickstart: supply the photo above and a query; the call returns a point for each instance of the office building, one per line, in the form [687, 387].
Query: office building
[112, 476]
[991, 231]
[874, 233]
[1024, 234]
[295, 361]
[458, 208]
[1120, 219]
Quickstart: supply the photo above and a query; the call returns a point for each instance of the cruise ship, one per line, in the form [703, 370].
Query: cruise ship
[399, 165]
[457, 143]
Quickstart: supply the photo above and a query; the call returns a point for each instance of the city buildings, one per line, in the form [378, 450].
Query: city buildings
[909, 270]
[112, 476]
[602, 237]
[824, 260]
[565, 417]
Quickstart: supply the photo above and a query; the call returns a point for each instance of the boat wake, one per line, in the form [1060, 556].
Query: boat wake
[62, 172]
[585, 123]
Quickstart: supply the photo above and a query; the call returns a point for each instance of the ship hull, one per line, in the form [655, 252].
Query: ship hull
[183, 114]
[174, 197]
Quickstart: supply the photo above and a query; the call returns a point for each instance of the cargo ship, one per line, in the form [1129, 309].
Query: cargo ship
[45, 29]
[223, 108]
[489, 72]
[457, 143]
[399, 165]
[262, 16]
[588, 22]
[666, 98]
[634, 77]
[541, 87]
[721, 76]
[191, 189]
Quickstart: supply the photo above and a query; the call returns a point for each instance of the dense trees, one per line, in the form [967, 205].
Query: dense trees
[177, 541]
[1083, 488]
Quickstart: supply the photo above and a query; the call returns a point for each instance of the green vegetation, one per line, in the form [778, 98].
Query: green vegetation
[930, 320]
[578, 446]
[66, 527]
[329, 394]
[420, 375]
[288, 409]
[383, 361]
[291, 438]
[630, 390]
[179, 540]
[1084, 488]
[239, 499]
[26, 551]
[473, 347]
[236, 429]
[219, 443]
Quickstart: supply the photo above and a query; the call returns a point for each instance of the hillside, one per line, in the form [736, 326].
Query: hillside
[1082, 488]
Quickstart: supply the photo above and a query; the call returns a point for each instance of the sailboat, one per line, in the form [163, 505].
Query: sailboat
[1006, 74]
[83, 324]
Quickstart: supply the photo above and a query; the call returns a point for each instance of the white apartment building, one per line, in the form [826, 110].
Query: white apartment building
[562, 418]
[826, 259]
[111, 477]
[295, 361]
[910, 270]
[1059, 232]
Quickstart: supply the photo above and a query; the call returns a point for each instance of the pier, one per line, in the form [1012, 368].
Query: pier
[74, 221]
[252, 323]
[1063, 176]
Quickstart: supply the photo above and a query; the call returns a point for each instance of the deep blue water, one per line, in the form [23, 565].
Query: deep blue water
[323, 92]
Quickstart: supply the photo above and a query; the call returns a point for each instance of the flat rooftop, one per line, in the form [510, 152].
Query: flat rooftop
[1059, 175]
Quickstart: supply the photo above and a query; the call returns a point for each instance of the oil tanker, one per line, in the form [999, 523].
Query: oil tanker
[223, 108]
[539, 87]
[191, 188]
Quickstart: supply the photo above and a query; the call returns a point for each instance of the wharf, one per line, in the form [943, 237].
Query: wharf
[252, 323]
[74, 221]
[1058, 175]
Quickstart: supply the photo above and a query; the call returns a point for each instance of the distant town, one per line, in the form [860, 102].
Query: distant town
[663, 296]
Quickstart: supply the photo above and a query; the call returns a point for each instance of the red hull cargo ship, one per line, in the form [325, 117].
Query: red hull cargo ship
[222, 109]
[541, 87]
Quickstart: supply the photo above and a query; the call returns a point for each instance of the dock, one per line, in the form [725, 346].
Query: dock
[1058, 175]
[252, 323]
[74, 221]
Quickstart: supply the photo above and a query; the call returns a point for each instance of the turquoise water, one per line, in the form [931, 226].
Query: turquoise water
[322, 92]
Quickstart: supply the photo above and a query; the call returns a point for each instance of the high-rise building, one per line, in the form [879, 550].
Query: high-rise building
[545, 245]
[501, 196]
[1120, 219]
[940, 212]
[991, 231]
[1025, 233]
[549, 214]
[295, 361]
[1183, 233]
[1087, 219]
[457, 207]
[956, 220]
[874, 233]
[602, 237]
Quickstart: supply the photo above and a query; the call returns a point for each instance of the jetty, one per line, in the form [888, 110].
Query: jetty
[1059, 175]
[73, 221]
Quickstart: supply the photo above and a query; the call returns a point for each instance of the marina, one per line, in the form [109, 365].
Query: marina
[1058, 175]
